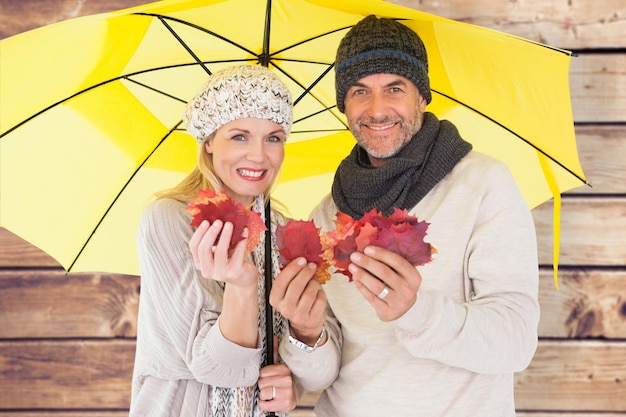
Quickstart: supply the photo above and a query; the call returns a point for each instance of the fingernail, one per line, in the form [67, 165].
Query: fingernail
[369, 251]
[355, 256]
[301, 261]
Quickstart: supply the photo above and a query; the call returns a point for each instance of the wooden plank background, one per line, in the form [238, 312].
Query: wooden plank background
[67, 341]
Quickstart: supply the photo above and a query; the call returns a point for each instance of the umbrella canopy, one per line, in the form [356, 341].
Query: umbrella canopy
[91, 121]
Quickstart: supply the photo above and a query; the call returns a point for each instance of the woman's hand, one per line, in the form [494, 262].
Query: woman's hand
[298, 296]
[276, 390]
[209, 246]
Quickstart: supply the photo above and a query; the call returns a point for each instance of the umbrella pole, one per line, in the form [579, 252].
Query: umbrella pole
[269, 315]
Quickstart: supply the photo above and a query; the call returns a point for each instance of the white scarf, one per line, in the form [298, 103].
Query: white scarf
[243, 401]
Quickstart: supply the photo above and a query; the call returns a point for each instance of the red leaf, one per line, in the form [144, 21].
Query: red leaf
[400, 233]
[211, 205]
[299, 238]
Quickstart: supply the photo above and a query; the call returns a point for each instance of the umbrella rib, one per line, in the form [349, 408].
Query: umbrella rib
[179, 39]
[93, 232]
[307, 90]
[309, 40]
[512, 132]
[200, 28]
[155, 90]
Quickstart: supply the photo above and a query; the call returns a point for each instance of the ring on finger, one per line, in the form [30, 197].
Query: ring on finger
[273, 392]
[383, 293]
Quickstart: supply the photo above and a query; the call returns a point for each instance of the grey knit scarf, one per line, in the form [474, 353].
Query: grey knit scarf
[406, 177]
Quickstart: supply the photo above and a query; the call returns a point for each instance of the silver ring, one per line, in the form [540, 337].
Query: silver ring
[383, 293]
[273, 392]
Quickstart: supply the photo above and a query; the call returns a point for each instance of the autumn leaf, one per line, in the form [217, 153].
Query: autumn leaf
[400, 233]
[211, 205]
[298, 238]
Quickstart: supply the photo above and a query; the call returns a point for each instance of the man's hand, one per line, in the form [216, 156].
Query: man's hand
[386, 280]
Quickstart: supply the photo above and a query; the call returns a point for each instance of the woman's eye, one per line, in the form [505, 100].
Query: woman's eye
[238, 137]
[275, 139]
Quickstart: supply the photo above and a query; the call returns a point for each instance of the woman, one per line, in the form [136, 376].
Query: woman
[201, 336]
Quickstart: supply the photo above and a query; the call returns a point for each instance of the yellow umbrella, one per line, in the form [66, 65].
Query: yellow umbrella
[90, 121]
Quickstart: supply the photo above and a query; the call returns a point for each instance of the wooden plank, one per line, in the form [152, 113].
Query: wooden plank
[299, 412]
[575, 375]
[565, 24]
[598, 87]
[51, 304]
[42, 304]
[63, 413]
[592, 231]
[66, 374]
[586, 375]
[21, 15]
[568, 376]
[588, 304]
[601, 149]
[566, 414]
[572, 25]
[15, 252]
[592, 234]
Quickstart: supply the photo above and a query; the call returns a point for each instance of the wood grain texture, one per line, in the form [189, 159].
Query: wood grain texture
[66, 374]
[592, 231]
[562, 23]
[588, 304]
[67, 341]
[583, 375]
[49, 304]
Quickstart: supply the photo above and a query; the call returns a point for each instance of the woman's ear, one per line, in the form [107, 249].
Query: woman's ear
[208, 147]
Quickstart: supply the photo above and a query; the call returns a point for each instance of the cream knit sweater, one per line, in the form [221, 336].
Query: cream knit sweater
[181, 354]
[474, 324]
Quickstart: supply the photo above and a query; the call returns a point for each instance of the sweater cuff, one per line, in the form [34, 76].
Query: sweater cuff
[219, 347]
[416, 319]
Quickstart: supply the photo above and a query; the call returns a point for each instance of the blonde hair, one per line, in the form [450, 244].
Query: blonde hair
[204, 177]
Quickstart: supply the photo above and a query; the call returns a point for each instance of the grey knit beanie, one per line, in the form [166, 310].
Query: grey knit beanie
[238, 92]
[376, 46]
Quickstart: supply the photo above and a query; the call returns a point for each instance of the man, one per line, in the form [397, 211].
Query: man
[442, 339]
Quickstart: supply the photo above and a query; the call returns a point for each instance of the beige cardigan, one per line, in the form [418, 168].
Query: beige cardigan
[181, 354]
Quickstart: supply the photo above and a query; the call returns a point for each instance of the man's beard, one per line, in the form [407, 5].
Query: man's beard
[407, 131]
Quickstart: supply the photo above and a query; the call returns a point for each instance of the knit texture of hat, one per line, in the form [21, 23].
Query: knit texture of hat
[375, 46]
[235, 93]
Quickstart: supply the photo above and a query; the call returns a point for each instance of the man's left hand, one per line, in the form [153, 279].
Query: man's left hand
[386, 280]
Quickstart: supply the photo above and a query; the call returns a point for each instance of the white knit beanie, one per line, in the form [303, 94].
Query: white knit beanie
[235, 93]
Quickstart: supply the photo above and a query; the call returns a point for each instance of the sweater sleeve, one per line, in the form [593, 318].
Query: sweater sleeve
[179, 309]
[495, 329]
